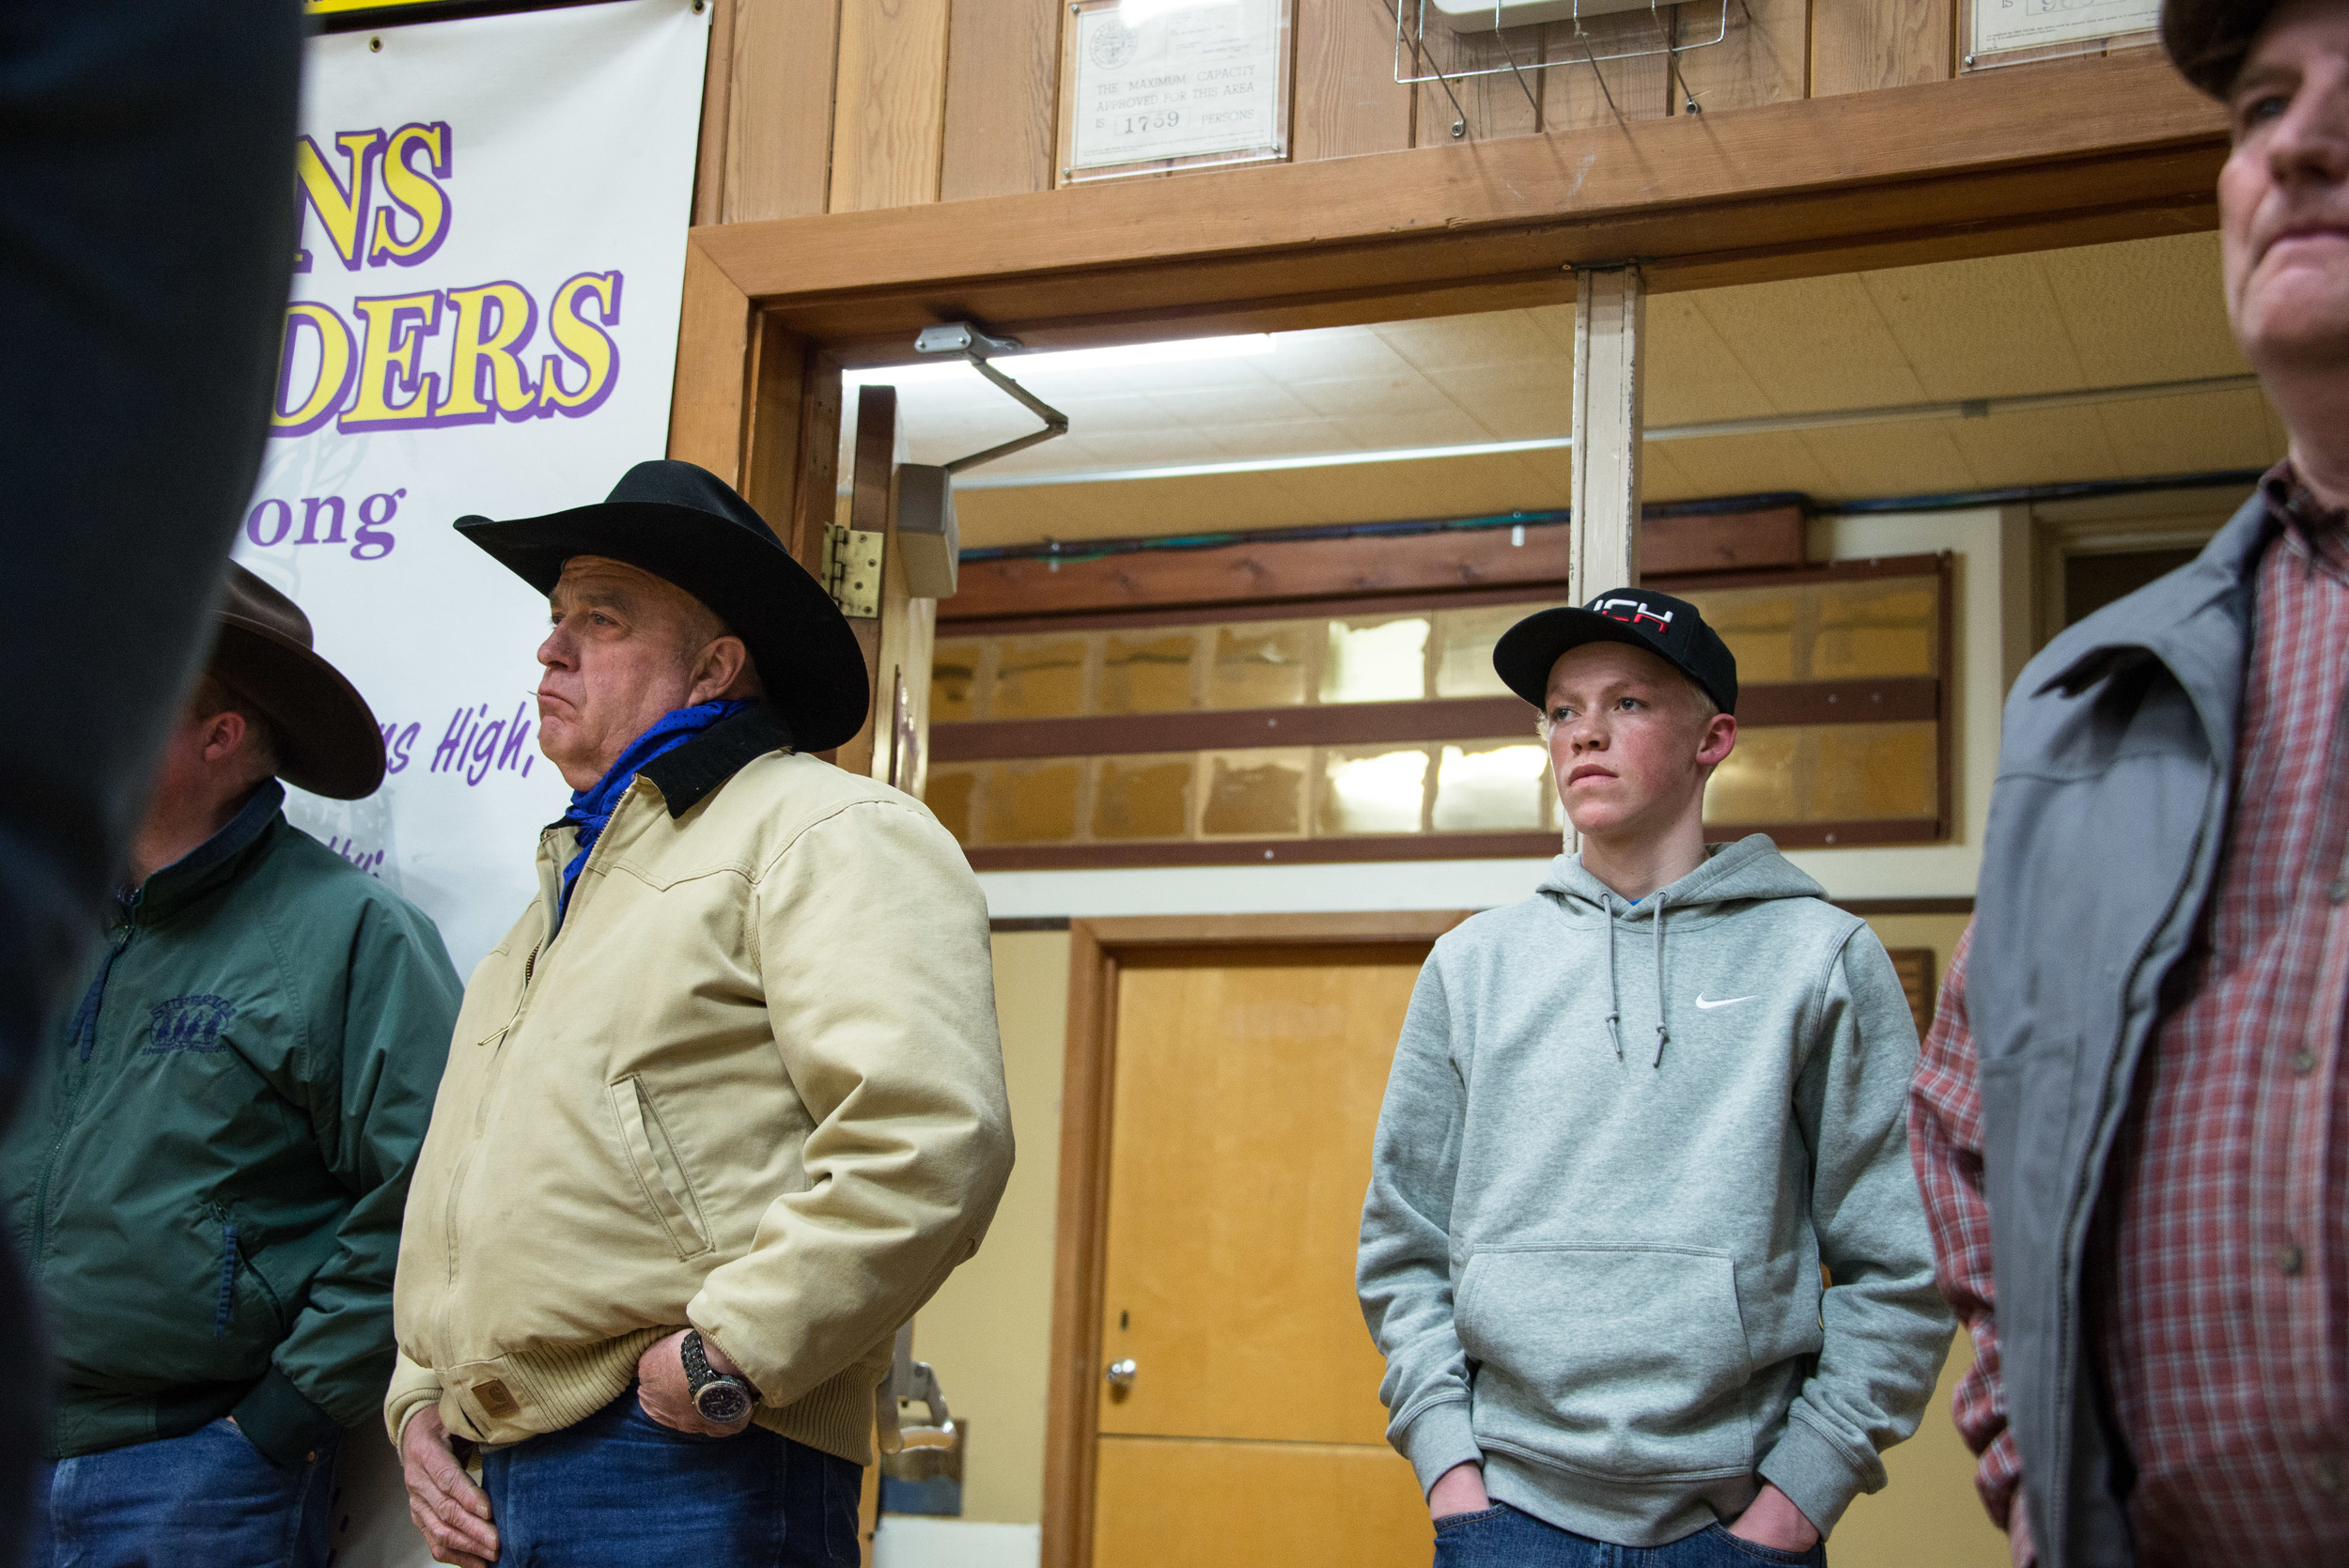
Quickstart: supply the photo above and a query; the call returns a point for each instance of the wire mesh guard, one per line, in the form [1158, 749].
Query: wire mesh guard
[1518, 37]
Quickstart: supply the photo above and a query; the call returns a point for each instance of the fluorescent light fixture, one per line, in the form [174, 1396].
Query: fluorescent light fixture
[1263, 465]
[1118, 358]
[1973, 408]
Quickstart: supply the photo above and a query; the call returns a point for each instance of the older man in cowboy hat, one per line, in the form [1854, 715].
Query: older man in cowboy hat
[207, 1179]
[727, 1103]
[2131, 1118]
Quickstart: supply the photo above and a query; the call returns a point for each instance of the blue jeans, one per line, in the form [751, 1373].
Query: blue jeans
[619, 1488]
[207, 1497]
[1501, 1537]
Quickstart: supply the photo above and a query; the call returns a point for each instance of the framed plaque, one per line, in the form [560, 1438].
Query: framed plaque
[2008, 32]
[1152, 85]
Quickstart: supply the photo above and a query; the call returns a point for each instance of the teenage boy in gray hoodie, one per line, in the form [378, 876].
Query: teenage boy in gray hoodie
[1629, 1119]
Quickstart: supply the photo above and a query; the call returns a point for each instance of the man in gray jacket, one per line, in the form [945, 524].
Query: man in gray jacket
[2132, 1118]
[1628, 1120]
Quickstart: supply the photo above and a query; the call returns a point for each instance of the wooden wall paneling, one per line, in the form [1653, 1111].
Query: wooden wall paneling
[1764, 56]
[707, 401]
[1003, 87]
[1863, 45]
[1347, 100]
[779, 109]
[1576, 100]
[889, 121]
[1887, 700]
[2066, 152]
[709, 153]
[1506, 103]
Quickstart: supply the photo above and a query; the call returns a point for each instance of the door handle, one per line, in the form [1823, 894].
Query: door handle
[1121, 1374]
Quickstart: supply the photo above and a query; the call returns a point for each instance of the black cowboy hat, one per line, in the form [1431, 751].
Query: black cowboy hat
[686, 525]
[2206, 39]
[327, 740]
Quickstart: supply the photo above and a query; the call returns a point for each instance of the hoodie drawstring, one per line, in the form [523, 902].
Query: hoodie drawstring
[1663, 1034]
[1614, 1002]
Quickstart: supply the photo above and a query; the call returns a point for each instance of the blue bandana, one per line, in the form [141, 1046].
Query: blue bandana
[591, 808]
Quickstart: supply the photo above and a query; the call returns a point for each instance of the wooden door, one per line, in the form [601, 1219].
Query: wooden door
[1247, 1087]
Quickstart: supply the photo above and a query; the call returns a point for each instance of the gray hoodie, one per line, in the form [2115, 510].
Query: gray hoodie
[1619, 1142]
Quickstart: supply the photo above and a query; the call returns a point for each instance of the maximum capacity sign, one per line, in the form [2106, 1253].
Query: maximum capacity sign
[1999, 26]
[1177, 79]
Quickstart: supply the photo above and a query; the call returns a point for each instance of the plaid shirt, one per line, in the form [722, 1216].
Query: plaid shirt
[2219, 1290]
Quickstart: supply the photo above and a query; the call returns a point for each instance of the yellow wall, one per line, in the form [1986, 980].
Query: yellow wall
[1937, 932]
[989, 1332]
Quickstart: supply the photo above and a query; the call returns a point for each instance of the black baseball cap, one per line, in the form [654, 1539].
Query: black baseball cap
[1636, 617]
[2208, 39]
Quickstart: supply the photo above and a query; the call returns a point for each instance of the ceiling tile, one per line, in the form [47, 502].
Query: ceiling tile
[2148, 311]
[2043, 446]
[1911, 458]
[1691, 374]
[1370, 395]
[1745, 465]
[2192, 435]
[1977, 329]
[1814, 343]
[1469, 342]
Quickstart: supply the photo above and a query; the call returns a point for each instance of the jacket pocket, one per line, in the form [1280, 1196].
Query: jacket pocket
[2030, 1107]
[1626, 1362]
[658, 1171]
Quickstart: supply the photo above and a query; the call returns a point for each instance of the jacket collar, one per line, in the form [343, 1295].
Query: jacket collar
[219, 859]
[710, 759]
[2195, 622]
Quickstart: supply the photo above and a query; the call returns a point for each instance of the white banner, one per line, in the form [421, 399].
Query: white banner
[485, 320]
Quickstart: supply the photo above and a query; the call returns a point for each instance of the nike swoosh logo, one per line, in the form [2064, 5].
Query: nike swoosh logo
[1731, 1002]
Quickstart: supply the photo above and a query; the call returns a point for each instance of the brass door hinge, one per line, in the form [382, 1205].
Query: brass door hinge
[853, 570]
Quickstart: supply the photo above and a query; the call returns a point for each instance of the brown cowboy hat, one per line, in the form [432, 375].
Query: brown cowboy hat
[2207, 40]
[328, 740]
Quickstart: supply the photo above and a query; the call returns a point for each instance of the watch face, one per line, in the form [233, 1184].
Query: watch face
[723, 1401]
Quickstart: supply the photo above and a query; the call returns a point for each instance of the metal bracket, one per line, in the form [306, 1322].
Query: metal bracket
[910, 1382]
[852, 569]
[975, 345]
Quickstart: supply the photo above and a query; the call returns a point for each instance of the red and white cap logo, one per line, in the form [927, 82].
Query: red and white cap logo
[1633, 612]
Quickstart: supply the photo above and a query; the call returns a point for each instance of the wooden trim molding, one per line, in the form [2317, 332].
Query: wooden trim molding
[1082, 616]
[1088, 1084]
[1864, 908]
[1254, 571]
[2066, 152]
[1801, 702]
[1534, 844]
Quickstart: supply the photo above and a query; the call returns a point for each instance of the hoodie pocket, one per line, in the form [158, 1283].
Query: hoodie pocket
[658, 1171]
[1618, 1361]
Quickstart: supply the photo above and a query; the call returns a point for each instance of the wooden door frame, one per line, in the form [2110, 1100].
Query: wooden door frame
[1991, 163]
[1098, 950]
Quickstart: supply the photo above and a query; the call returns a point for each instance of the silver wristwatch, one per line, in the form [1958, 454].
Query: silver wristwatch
[721, 1397]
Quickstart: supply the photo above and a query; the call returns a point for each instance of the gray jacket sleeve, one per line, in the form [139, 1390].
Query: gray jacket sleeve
[1404, 1271]
[1886, 1328]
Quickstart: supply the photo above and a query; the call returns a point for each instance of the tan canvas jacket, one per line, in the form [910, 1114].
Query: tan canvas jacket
[752, 1085]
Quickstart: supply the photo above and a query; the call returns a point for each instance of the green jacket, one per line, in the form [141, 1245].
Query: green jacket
[208, 1180]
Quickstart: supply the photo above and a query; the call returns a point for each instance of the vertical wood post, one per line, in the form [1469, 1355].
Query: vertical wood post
[1603, 543]
[1610, 318]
